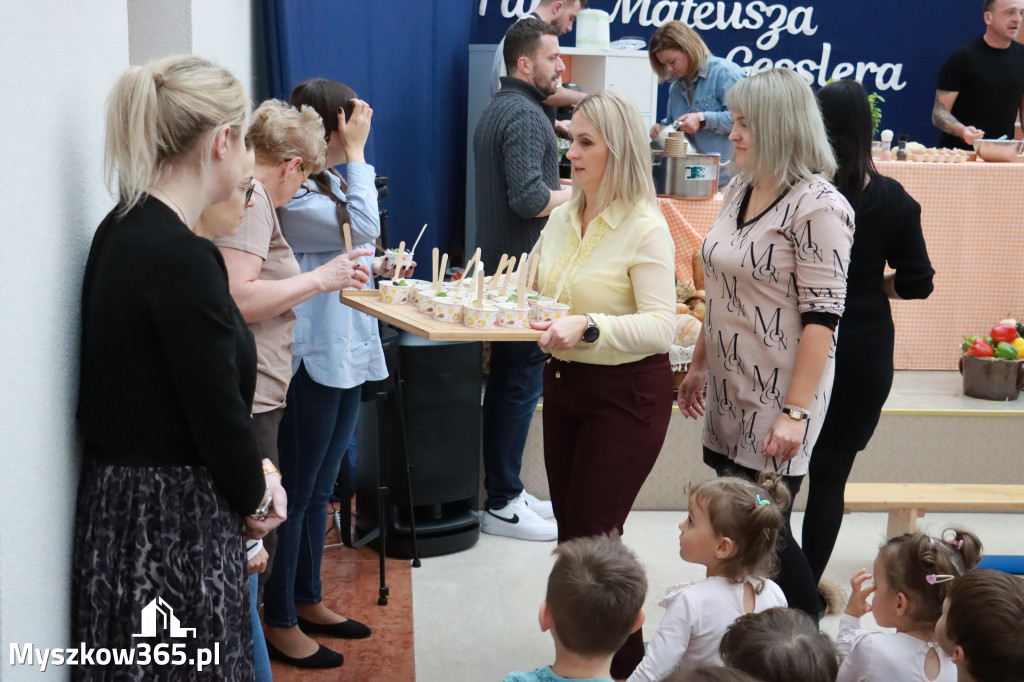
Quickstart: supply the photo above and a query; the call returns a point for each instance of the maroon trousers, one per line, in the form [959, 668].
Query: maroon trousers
[604, 426]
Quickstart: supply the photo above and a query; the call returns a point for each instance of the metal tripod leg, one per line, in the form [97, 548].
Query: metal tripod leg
[400, 409]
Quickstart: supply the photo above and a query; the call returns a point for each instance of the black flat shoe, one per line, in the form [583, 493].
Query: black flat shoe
[349, 629]
[323, 658]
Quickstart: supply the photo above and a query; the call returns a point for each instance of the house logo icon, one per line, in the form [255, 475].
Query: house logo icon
[158, 614]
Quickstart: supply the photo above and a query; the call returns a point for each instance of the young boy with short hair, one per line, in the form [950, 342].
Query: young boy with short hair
[594, 601]
[982, 626]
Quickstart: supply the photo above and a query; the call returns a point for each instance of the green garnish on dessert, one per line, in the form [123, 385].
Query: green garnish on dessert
[439, 295]
[401, 283]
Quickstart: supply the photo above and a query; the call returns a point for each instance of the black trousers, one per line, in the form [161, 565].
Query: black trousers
[795, 576]
[826, 480]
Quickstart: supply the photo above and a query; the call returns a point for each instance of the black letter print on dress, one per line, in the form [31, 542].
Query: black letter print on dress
[761, 267]
[771, 332]
[768, 386]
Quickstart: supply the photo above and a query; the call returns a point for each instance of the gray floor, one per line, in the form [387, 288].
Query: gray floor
[475, 612]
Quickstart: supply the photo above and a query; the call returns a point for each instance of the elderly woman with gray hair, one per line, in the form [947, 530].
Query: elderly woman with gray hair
[775, 262]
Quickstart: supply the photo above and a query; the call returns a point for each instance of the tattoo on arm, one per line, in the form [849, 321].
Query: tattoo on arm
[942, 117]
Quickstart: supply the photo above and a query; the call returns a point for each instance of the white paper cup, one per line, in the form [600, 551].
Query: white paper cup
[479, 315]
[513, 317]
[417, 292]
[447, 309]
[392, 256]
[425, 300]
[551, 311]
[534, 305]
[394, 293]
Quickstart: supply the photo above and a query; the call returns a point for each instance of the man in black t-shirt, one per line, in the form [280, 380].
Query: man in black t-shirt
[981, 83]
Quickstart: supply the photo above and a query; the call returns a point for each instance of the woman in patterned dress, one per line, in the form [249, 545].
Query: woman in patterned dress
[775, 262]
[170, 466]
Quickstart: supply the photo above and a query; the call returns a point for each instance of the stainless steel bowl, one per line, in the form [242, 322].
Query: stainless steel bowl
[997, 150]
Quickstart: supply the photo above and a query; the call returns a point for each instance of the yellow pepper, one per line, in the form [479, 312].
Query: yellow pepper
[1018, 343]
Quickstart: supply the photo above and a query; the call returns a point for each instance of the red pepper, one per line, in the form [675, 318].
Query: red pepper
[981, 349]
[1004, 332]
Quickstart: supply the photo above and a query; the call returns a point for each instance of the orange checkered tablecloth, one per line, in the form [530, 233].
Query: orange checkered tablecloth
[972, 215]
[689, 221]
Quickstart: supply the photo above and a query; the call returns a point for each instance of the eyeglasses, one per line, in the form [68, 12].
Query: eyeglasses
[248, 187]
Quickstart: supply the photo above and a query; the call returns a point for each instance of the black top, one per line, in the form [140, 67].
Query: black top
[168, 366]
[516, 157]
[888, 229]
[990, 81]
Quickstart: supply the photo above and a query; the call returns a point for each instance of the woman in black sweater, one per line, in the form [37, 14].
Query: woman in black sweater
[168, 368]
[888, 230]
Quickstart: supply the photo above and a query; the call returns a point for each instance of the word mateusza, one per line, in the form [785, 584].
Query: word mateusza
[703, 16]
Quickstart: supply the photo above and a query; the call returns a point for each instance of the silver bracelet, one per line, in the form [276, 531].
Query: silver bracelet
[263, 510]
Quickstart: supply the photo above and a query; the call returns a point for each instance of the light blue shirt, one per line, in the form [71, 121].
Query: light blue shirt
[339, 345]
[545, 675]
[713, 80]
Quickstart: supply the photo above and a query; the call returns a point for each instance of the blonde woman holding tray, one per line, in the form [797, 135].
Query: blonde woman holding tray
[608, 254]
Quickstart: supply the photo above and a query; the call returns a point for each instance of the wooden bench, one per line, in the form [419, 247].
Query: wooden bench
[908, 501]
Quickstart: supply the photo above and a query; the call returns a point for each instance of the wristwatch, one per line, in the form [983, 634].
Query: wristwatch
[591, 333]
[703, 119]
[797, 413]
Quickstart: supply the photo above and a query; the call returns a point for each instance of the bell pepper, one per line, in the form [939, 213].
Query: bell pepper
[1018, 343]
[990, 341]
[968, 342]
[1005, 351]
[1004, 332]
[981, 349]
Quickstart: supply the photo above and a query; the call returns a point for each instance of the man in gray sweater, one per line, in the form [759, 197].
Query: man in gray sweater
[517, 187]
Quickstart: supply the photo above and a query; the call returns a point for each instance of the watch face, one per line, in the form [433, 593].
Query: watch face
[590, 334]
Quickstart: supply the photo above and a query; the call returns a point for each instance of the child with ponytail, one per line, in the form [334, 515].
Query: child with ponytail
[912, 575]
[732, 528]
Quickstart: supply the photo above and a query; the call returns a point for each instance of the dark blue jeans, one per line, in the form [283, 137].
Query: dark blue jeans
[315, 431]
[514, 386]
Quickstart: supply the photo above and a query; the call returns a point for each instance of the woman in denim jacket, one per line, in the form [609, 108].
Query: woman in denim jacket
[696, 100]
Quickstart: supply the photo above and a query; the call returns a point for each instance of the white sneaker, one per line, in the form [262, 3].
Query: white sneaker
[517, 520]
[541, 507]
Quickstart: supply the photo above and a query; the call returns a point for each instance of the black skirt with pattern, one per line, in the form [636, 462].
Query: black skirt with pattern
[159, 571]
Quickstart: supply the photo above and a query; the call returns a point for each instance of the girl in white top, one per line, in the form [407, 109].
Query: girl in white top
[912, 575]
[732, 528]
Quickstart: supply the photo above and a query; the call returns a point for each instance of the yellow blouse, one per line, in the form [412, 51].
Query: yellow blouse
[621, 272]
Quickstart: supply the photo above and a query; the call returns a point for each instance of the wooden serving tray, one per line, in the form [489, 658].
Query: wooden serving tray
[410, 319]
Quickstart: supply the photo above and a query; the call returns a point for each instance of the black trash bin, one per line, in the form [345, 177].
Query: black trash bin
[440, 412]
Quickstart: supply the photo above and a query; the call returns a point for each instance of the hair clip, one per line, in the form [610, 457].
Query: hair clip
[758, 502]
[932, 578]
[959, 544]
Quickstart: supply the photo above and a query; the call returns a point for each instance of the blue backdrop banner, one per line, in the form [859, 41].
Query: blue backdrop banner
[893, 47]
[409, 60]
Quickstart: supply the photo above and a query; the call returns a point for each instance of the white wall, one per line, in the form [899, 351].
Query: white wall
[59, 61]
[222, 33]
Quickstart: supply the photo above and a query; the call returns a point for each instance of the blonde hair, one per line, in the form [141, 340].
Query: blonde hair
[675, 35]
[752, 515]
[160, 111]
[280, 132]
[627, 174]
[789, 139]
